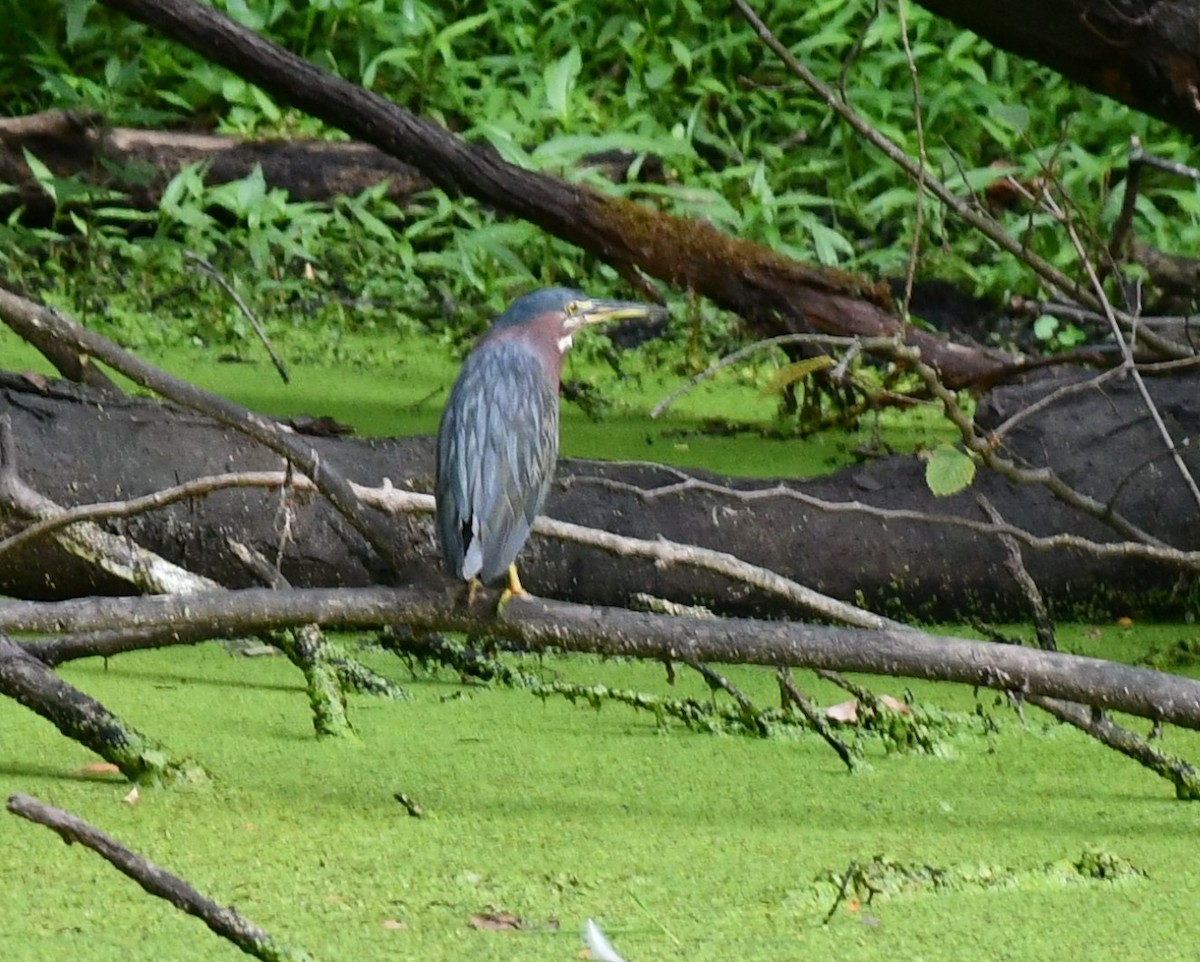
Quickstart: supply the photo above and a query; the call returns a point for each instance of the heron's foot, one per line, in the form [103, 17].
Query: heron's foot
[474, 586]
[513, 589]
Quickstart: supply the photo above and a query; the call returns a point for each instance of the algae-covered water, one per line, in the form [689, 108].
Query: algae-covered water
[680, 844]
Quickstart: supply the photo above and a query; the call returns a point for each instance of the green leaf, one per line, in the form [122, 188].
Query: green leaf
[251, 190]
[560, 79]
[960, 45]
[658, 76]
[948, 470]
[462, 27]
[1045, 327]
[571, 147]
[1015, 116]
[393, 57]
[372, 223]
[828, 245]
[682, 54]
[790, 374]
[77, 11]
[42, 174]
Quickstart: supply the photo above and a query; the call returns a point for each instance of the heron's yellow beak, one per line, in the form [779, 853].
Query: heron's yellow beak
[583, 313]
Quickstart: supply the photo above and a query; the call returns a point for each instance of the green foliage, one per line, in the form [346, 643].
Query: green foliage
[1058, 335]
[743, 146]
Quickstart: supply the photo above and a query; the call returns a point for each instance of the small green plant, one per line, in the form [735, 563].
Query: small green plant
[1058, 335]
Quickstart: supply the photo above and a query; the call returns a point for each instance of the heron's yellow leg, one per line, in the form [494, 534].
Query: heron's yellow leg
[513, 589]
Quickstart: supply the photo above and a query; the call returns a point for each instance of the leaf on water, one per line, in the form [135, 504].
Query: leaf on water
[132, 797]
[847, 711]
[895, 705]
[496, 922]
[394, 925]
[96, 769]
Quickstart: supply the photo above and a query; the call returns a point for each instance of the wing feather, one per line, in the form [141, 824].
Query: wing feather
[497, 447]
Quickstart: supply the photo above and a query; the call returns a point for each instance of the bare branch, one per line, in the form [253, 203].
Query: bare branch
[787, 686]
[196, 488]
[1102, 549]
[78, 716]
[916, 172]
[540, 624]
[225, 922]
[1110, 314]
[120, 557]
[217, 276]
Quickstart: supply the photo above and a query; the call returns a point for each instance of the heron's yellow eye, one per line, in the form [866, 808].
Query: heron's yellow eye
[573, 308]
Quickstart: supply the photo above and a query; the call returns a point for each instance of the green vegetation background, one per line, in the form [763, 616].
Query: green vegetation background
[545, 85]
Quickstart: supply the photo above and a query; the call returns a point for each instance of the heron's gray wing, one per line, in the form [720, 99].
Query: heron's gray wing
[497, 447]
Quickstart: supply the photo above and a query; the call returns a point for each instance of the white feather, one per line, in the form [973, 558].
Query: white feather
[598, 945]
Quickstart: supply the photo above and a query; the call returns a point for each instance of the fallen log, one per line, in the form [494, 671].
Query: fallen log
[139, 163]
[871, 532]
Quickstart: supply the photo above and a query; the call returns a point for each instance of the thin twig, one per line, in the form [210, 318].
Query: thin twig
[781, 340]
[788, 686]
[267, 432]
[1109, 313]
[1045, 477]
[1182, 775]
[1101, 549]
[1042, 623]
[1133, 181]
[1034, 307]
[914, 249]
[1178, 772]
[217, 276]
[841, 892]
[196, 488]
[1051, 399]
[120, 557]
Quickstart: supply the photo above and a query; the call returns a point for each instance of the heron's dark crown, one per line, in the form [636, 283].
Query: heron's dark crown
[535, 304]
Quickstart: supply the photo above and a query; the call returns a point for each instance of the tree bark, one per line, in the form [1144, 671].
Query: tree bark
[64, 437]
[1144, 53]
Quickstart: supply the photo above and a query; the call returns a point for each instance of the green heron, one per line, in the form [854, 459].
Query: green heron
[498, 440]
